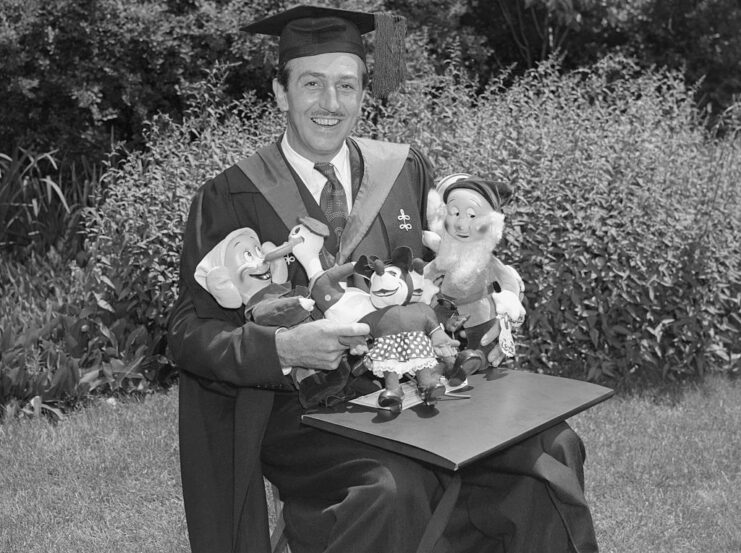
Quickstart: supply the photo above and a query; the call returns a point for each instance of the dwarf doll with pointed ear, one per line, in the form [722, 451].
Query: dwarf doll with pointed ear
[407, 338]
[466, 225]
[240, 271]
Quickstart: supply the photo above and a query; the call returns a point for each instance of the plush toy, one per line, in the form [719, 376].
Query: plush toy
[327, 282]
[239, 271]
[407, 338]
[477, 291]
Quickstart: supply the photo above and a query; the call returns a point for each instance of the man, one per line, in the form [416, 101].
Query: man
[239, 419]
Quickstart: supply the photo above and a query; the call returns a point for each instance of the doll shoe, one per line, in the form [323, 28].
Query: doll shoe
[431, 393]
[391, 399]
[467, 362]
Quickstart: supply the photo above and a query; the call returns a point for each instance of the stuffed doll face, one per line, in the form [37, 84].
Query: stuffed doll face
[390, 288]
[307, 243]
[245, 262]
[465, 210]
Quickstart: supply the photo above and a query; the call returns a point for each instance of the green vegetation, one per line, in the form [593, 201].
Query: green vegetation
[660, 477]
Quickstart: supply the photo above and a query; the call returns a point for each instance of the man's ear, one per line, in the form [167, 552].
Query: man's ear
[221, 287]
[280, 95]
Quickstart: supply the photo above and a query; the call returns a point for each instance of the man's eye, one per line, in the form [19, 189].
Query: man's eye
[248, 256]
[311, 84]
[471, 214]
[453, 211]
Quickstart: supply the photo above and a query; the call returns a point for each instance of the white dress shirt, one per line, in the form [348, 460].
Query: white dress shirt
[312, 178]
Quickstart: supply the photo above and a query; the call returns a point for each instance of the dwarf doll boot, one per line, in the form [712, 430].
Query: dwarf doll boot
[429, 385]
[467, 362]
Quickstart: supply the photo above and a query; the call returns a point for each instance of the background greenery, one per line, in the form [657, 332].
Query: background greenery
[660, 477]
[625, 223]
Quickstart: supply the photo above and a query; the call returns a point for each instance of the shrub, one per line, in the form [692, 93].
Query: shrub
[32, 206]
[60, 341]
[626, 221]
[625, 224]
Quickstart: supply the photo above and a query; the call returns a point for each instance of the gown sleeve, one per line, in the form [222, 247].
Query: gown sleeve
[204, 339]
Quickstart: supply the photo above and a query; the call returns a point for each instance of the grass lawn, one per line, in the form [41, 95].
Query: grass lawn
[660, 477]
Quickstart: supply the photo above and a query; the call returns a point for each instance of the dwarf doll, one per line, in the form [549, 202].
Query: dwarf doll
[407, 338]
[240, 271]
[479, 291]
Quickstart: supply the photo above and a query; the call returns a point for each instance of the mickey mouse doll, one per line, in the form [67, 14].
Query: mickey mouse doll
[407, 338]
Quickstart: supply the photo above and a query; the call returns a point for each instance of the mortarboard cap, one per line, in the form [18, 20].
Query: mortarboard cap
[312, 30]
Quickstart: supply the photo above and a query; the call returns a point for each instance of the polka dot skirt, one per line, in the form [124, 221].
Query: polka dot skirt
[406, 352]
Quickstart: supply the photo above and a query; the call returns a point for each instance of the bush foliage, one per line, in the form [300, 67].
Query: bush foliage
[82, 77]
[625, 225]
[626, 221]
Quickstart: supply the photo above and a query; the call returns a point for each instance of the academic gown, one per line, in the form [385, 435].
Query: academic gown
[230, 369]
[232, 389]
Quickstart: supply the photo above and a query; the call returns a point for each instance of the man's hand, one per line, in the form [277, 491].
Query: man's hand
[317, 344]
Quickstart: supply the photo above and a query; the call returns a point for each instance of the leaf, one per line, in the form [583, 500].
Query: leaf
[53, 410]
[102, 303]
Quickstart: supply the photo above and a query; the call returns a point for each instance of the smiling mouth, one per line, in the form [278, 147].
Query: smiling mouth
[383, 292]
[261, 276]
[258, 276]
[326, 121]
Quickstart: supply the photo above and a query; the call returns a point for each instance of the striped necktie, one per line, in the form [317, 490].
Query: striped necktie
[333, 200]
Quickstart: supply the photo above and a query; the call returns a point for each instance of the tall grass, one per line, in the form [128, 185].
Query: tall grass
[30, 200]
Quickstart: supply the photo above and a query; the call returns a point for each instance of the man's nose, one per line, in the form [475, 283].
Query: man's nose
[461, 224]
[329, 100]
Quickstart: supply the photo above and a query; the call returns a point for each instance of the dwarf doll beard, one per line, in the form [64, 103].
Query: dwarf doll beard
[465, 264]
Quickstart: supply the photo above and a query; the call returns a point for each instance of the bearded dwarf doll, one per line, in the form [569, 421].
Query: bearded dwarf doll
[407, 339]
[476, 288]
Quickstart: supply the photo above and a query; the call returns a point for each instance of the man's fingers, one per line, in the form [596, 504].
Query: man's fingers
[351, 341]
[352, 329]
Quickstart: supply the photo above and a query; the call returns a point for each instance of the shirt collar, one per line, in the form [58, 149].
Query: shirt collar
[314, 180]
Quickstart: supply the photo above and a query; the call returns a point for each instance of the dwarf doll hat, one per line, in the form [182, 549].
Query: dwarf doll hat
[496, 192]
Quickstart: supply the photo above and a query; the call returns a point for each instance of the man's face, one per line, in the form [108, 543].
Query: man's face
[465, 208]
[322, 100]
[246, 263]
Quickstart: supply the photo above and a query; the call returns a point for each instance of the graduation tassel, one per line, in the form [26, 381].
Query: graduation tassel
[389, 69]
